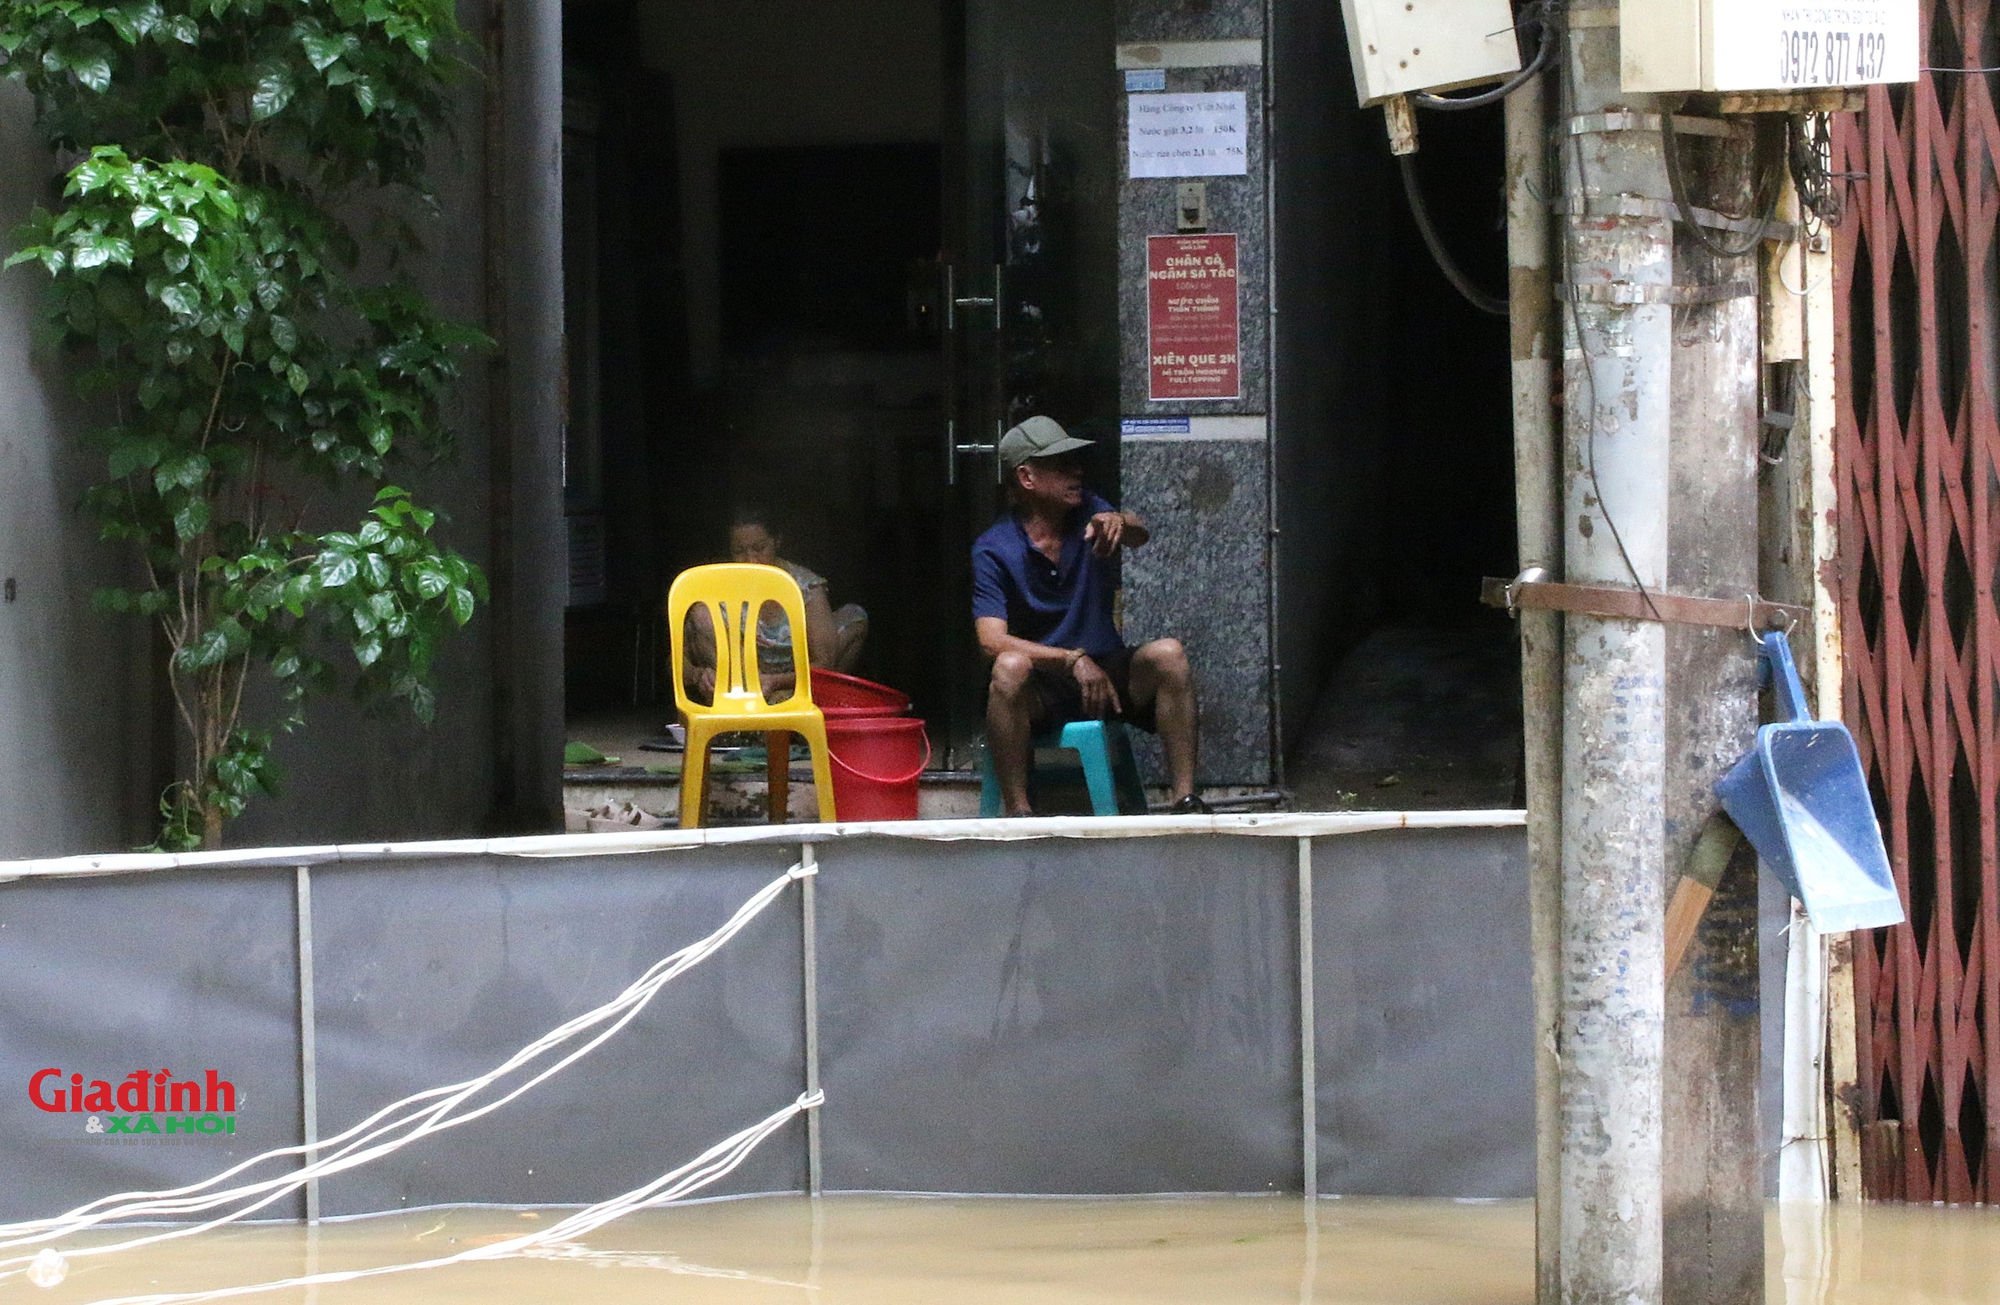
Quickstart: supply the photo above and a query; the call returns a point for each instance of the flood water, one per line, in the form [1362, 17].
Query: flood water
[893, 1250]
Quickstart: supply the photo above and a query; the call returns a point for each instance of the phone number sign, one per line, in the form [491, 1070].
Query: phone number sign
[1779, 46]
[1193, 328]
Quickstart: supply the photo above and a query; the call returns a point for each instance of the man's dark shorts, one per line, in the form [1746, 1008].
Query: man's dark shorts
[1059, 698]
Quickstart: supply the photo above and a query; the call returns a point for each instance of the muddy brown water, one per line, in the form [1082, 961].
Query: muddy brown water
[893, 1250]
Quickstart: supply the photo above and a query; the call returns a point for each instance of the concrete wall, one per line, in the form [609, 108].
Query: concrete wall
[73, 704]
[77, 720]
[782, 72]
[364, 771]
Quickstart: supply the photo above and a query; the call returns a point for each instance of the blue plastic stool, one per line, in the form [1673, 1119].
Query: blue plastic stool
[1102, 748]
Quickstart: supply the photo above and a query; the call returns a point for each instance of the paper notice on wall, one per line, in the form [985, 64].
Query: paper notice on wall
[1193, 336]
[1199, 135]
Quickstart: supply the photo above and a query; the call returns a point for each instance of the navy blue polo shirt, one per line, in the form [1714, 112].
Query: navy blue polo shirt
[1064, 604]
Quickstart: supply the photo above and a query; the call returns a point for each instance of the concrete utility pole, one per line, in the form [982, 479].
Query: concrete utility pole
[1714, 1186]
[1660, 1190]
[1617, 388]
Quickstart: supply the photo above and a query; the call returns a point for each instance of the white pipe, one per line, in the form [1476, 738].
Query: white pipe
[1802, 1150]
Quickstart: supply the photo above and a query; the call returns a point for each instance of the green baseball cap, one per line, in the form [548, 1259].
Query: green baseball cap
[1037, 437]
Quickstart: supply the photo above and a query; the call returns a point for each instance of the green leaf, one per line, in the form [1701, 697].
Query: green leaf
[181, 228]
[431, 582]
[181, 298]
[97, 249]
[50, 257]
[209, 649]
[182, 471]
[183, 29]
[192, 518]
[461, 605]
[94, 71]
[323, 51]
[296, 377]
[130, 455]
[273, 92]
[284, 334]
[368, 651]
[336, 569]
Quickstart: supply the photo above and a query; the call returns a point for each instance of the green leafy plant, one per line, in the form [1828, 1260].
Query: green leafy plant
[205, 278]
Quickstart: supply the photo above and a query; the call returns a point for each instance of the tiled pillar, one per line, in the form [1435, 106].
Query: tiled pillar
[1197, 467]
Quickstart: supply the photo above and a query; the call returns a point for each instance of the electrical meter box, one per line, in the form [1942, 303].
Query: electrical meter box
[1765, 45]
[1399, 46]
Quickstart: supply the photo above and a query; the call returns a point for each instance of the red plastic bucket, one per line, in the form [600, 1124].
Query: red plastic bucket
[876, 762]
[849, 697]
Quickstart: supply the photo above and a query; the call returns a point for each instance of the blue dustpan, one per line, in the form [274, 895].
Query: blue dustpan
[1800, 798]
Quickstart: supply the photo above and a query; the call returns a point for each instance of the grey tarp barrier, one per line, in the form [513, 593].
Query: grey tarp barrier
[428, 975]
[186, 971]
[1425, 1009]
[1075, 1015]
[1058, 1016]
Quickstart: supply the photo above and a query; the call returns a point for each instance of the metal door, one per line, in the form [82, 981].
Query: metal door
[1028, 282]
[1918, 461]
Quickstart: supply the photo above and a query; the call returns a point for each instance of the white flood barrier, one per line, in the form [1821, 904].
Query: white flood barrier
[1070, 1006]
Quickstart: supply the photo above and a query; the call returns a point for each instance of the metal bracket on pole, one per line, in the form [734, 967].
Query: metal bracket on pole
[1527, 592]
[1632, 293]
[1590, 124]
[1664, 210]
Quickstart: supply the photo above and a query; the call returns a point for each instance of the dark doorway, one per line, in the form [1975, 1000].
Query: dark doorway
[820, 246]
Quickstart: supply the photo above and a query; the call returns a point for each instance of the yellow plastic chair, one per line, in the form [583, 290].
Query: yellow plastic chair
[733, 593]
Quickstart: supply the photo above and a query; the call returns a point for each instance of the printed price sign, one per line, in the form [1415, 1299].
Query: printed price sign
[1201, 135]
[1193, 335]
[1779, 46]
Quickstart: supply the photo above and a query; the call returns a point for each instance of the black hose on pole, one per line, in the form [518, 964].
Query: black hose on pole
[1485, 303]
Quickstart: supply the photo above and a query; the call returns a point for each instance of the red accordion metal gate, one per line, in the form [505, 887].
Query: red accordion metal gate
[1918, 457]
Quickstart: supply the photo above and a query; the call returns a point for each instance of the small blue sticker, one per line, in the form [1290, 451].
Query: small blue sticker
[1145, 79]
[1155, 426]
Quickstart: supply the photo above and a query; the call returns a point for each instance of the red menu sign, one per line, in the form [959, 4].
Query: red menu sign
[1193, 337]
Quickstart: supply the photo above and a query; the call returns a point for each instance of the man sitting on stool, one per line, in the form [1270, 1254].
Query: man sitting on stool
[1042, 583]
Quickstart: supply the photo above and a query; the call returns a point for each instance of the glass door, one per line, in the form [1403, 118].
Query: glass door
[1029, 274]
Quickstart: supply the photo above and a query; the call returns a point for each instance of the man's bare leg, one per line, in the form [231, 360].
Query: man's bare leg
[1162, 677]
[1010, 705]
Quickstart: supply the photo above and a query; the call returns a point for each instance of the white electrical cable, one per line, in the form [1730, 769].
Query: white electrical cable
[363, 1142]
[1812, 289]
[715, 1163]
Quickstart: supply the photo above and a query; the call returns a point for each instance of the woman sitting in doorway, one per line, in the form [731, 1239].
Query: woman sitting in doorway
[833, 635]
